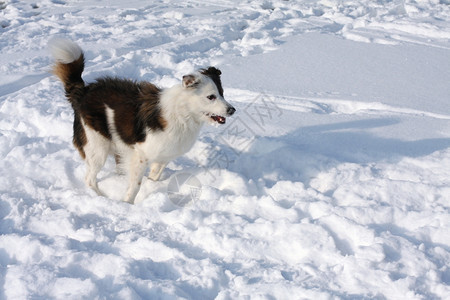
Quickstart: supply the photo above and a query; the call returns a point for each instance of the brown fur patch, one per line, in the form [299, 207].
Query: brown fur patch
[117, 159]
[150, 112]
[70, 75]
[163, 122]
[135, 106]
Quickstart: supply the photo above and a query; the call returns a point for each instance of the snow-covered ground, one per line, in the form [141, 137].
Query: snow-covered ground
[332, 180]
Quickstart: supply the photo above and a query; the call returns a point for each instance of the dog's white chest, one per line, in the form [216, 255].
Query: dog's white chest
[168, 144]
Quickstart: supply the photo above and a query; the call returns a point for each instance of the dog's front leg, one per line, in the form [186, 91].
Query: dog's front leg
[136, 172]
[156, 170]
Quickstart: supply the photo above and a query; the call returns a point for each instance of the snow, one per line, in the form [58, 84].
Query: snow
[331, 181]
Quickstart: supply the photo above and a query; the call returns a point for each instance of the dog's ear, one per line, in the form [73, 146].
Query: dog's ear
[190, 81]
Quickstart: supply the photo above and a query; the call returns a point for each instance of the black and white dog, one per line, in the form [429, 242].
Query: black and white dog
[137, 122]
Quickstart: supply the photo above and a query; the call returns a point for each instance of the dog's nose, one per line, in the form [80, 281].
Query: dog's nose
[231, 110]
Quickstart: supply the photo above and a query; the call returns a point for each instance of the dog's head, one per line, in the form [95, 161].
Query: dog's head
[207, 99]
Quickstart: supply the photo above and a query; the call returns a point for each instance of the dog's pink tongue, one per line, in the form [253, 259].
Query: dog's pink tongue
[219, 119]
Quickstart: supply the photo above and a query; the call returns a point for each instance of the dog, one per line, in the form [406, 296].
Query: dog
[136, 121]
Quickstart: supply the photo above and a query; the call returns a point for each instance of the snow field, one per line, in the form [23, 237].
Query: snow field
[332, 181]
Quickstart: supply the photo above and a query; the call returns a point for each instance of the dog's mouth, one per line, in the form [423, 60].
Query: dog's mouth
[216, 118]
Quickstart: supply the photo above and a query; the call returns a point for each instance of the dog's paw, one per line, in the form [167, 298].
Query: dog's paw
[130, 201]
[154, 177]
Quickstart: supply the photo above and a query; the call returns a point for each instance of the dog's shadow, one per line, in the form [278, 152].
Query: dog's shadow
[300, 155]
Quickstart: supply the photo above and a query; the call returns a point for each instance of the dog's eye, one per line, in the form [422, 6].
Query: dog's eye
[212, 97]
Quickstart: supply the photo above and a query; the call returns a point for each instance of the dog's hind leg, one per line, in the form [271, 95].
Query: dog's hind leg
[96, 150]
[156, 170]
[136, 171]
[94, 164]
[91, 175]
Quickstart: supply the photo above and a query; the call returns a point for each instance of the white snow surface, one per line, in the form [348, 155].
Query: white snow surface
[331, 181]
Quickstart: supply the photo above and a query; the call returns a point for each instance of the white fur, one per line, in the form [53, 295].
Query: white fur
[64, 51]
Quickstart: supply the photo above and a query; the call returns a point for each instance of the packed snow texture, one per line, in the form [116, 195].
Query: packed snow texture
[332, 180]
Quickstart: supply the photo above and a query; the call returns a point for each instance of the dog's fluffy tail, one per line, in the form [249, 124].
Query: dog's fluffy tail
[68, 67]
